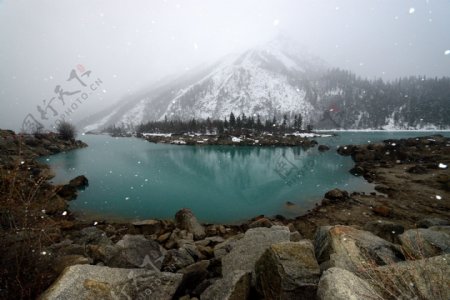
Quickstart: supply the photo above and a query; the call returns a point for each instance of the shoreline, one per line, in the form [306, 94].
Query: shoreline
[388, 172]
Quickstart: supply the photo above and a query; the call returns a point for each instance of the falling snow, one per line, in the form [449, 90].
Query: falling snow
[412, 10]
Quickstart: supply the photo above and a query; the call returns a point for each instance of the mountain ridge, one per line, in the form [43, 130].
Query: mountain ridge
[280, 78]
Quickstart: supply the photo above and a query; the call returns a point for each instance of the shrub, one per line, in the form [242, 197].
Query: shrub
[66, 131]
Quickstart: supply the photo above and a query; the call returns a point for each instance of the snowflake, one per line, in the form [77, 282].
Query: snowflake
[442, 166]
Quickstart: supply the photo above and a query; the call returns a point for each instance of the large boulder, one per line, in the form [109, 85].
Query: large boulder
[248, 250]
[340, 284]
[236, 286]
[288, 270]
[95, 282]
[421, 243]
[185, 220]
[135, 251]
[351, 249]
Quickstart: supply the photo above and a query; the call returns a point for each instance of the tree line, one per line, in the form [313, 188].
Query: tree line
[236, 125]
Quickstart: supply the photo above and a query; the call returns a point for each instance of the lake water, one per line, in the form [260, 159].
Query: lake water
[130, 178]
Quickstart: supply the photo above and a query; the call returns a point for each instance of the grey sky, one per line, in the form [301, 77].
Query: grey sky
[131, 44]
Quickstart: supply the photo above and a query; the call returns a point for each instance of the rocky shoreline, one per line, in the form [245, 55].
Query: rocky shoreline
[358, 238]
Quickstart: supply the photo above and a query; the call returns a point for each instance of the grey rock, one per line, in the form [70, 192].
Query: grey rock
[179, 237]
[97, 282]
[340, 284]
[288, 270]
[445, 229]
[421, 243]
[225, 247]
[250, 248]
[193, 276]
[296, 236]
[62, 262]
[425, 223]
[148, 226]
[135, 251]
[351, 249]
[92, 235]
[177, 259]
[186, 220]
[215, 239]
[262, 222]
[385, 229]
[236, 286]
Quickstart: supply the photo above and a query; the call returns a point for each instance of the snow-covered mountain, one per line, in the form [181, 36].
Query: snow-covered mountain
[271, 79]
[280, 78]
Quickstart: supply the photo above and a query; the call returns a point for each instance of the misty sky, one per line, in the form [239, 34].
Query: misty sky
[129, 45]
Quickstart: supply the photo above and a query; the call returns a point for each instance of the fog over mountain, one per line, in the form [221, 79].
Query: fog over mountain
[141, 47]
[281, 78]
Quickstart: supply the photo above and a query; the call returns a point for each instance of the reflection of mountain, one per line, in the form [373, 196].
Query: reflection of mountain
[239, 168]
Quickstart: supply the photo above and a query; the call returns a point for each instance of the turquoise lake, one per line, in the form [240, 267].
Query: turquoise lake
[132, 179]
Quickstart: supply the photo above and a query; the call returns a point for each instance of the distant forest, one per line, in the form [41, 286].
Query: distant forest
[361, 103]
[232, 125]
[343, 100]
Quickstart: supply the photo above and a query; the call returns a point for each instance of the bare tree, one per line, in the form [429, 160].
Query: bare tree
[66, 131]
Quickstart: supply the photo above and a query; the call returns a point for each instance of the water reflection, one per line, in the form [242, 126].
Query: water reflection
[136, 179]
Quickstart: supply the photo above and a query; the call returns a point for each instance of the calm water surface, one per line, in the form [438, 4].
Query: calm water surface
[134, 179]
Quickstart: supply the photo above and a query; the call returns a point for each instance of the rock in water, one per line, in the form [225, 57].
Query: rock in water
[79, 182]
[95, 282]
[185, 220]
[340, 284]
[323, 148]
[288, 271]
